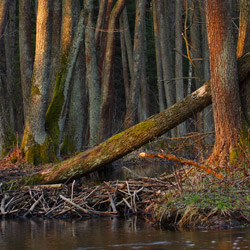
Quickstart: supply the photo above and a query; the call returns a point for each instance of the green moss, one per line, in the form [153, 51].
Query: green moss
[55, 108]
[35, 90]
[36, 153]
[9, 141]
[239, 155]
[68, 146]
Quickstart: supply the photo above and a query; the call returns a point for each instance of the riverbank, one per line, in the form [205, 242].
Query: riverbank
[166, 194]
[198, 202]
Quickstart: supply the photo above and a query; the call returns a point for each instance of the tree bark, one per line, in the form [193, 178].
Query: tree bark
[224, 81]
[160, 82]
[25, 50]
[56, 114]
[181, 129]
[243, 49]
[131, 116]
[3, 15]
[92, 75]
[35, 138]
[107, 82]
[9, 44]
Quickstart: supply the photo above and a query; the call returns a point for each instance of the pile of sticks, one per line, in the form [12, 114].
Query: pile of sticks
[106, 199]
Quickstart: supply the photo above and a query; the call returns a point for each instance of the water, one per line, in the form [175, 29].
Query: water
[111, 233]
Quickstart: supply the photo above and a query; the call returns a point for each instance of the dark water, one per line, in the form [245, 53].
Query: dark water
[107, 233]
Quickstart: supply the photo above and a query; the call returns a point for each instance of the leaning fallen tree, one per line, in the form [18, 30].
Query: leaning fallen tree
[130, 139]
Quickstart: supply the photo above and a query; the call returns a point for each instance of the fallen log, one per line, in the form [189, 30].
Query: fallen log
[128, 140]
[124, 142]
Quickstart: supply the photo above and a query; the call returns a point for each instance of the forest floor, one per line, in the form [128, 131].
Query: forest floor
[166, 194]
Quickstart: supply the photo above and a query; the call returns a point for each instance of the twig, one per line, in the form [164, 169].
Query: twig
[72, 189]
[184, 161]
[112, 202]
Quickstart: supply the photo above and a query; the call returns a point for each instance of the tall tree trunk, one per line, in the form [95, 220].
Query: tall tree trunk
[75, 120]
[57, 111]
[107, 82]
[208, 121]
[92, 75]
[55, 45]
[7, 136]
[128, 40]
[3, 15]
[100, 21]
[160, 82]
[144, 97]
[25, 50]
[181, 129]
[243, 48]
[36, 143]
[224, 81]
[195, 51]
[131, 116]
[9, 44]
[166, 56]
[78, 110]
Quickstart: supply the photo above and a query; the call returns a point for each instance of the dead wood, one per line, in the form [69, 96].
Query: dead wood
[130, 139]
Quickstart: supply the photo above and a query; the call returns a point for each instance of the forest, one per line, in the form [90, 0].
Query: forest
[75, 73]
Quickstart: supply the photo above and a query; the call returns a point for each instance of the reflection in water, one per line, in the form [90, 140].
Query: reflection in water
[111, 233]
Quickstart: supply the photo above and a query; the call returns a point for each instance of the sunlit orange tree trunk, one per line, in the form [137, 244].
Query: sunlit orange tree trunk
[224, 81]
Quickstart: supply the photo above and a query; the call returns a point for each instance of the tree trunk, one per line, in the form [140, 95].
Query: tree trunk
[166, 56]
[55, 45]
[208, 119]
[107, 82]
[72, 134]
[131, 116]
[9, 45]
[181, 129]
[36, 143]
[224, 81]
[125, 69]
[124, 142]
[243, 49]
[3, 15]
[92, 75]
[56, 114]
[160, 82]
[25, 50]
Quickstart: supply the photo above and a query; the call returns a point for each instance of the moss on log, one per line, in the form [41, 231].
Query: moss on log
[130, 139]
[124, 142]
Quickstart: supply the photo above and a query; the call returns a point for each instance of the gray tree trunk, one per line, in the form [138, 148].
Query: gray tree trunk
[25, 50]
[181, 129]
[166, 56]
[56, 43]
[160, 82]
[35, 135]
[131, 116]
[195, 51]
[9, 44]
[57, 111]
[92, 75]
